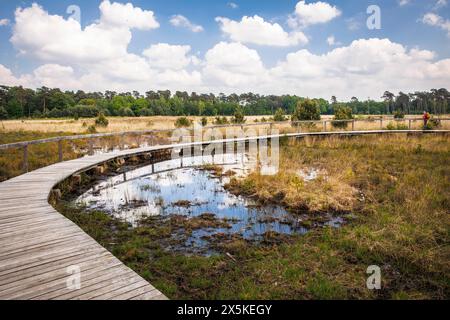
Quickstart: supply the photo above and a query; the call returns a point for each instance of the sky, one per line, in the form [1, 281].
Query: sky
[308, 48]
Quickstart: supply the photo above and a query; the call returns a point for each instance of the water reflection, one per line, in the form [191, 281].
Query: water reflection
[180, 187]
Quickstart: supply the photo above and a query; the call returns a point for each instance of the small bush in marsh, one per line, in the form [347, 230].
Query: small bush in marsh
[183, 122]
[101, 120]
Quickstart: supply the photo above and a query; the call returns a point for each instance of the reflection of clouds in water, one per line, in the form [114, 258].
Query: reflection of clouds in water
[154, 194]
[170, 179]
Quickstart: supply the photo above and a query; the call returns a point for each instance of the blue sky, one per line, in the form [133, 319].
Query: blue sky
[403, 25]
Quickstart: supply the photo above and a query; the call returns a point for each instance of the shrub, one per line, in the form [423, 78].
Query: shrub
[279, 115]
[396, 126]
[91, 129]
[435, 123]
[342, 113]
[204, 121]
[221, 120]
[306, 110]
[101, 120]
[183, 122]
[55, 113]
[399, 115]
[238, 116]
[432, 124]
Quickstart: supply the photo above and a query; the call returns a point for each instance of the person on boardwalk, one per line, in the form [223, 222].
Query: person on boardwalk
[425, 117]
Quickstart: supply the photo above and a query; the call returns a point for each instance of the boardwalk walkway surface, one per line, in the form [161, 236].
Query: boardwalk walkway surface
[38, 244]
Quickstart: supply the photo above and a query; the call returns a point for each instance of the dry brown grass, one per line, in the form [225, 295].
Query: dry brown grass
[118, 124]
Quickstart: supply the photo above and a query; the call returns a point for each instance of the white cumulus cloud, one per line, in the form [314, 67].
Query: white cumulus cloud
[233, 66]
[166, 56]
[307, 14]
[126, 15]
[181, 21]
[258, 31]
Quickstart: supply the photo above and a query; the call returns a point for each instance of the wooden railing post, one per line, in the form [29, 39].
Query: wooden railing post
[325, 125]
[25, 159]
[353, 125]
[409, 124]
[60, 150]
[381, 123]
[91, 147]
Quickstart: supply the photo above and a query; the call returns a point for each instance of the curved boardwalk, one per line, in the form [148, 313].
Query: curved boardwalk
[38, 244]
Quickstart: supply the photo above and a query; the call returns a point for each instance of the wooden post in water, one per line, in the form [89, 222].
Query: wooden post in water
[60, 150]
[25, 159]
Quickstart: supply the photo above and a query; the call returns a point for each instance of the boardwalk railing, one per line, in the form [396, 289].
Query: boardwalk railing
[377, 123]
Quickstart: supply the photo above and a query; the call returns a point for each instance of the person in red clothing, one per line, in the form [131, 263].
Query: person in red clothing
[425, 117]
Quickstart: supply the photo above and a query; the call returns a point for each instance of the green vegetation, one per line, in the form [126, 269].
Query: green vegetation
[342, 113]
[183, 122]
[399, 115]
[204, 121]
[396, 126]
[306, 110]
[398, 202]
[101, 120]
[221, 121]
[19, 102]
[238, 116]
[279, 116]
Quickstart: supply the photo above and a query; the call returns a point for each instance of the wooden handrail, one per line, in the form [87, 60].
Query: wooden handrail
[22, 144]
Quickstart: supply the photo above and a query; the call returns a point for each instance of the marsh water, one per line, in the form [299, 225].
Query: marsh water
[183, 187]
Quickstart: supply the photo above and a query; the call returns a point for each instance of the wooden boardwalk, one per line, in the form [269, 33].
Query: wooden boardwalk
[38, 244]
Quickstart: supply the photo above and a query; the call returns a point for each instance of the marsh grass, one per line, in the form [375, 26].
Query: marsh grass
[399, 221]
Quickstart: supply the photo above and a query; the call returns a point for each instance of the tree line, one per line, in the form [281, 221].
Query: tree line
[18, 102]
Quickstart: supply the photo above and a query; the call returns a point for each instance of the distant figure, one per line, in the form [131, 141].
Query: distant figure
[425, 117]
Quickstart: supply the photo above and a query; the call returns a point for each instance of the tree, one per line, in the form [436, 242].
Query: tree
[389, 100]
[3, 115]
[333, 100]
[306, 110]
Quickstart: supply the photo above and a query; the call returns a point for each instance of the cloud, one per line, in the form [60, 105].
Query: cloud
[232, 5]
[307, 14]
[97, 58]
[181, 21]
[331, 40]
[257, 31]
[233, 66]
[366, 67]
[440, 4]
[125, 15]
[52, 38]
[4, 22]
[402, 3]
[435, 20]
[166, 56]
